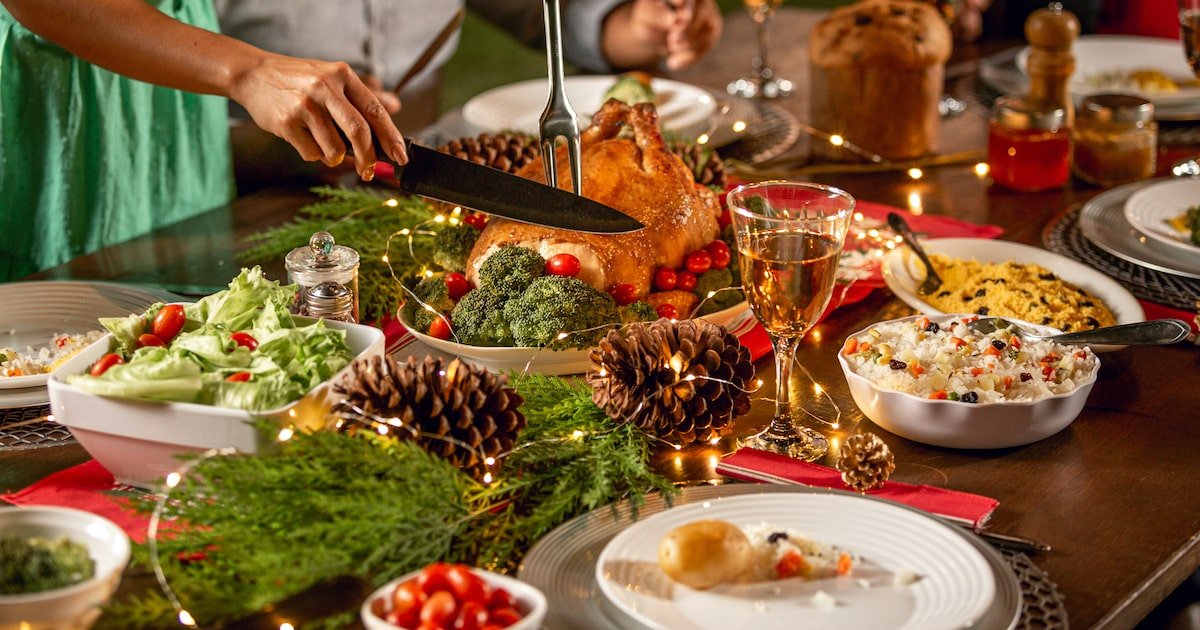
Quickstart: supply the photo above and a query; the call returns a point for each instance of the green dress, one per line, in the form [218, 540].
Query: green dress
[89, 158]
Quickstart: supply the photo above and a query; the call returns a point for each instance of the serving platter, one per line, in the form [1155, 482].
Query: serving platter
[903, 273]
[1150, 208]
[563, 563]
[1102, 221]
[682, 108]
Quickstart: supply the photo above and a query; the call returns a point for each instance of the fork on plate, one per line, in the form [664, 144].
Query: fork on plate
[558, 119]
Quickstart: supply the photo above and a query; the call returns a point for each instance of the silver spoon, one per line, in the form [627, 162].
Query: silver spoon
[1156, 332]
[932, 281]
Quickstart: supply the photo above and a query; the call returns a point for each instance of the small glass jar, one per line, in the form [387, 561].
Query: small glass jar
[322, 260]
[1116, 139]
[1029, 148]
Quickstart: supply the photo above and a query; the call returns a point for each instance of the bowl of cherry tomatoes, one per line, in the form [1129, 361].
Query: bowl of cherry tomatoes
[454, 597]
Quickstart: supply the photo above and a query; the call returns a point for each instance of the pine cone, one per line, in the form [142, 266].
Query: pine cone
[506, 152]
[865, 461]
[461, 412]
[644, 373]
[706, 166]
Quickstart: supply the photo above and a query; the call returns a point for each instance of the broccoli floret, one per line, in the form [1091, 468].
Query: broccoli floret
[452, 245]
[479, 319]
[557, 304]
[637, 312]
[511, 269]
[1193, 220]
[730, 239]
[631, 88]
[714, 280]
[431, 291]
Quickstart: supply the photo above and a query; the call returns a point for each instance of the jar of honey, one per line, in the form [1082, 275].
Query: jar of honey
[1116, 139]
[1029, 146]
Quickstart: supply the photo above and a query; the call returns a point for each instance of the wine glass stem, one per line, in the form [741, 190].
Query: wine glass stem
[760, 63]
[785, 358]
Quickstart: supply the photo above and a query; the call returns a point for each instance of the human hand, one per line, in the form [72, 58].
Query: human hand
[306, 102]
[390, 100]
[679, 31]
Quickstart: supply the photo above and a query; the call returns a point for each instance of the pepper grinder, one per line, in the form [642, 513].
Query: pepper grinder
[1051, 33]
[323, 261]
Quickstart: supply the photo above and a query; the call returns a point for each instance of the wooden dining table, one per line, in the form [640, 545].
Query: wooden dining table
[1116, 494]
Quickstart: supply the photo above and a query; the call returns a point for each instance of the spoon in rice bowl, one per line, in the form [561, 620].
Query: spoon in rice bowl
[1152, 333]
[932, 281]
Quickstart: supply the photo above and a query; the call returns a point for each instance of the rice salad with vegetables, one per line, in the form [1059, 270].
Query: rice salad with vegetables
[47, 358]
[780, 553]
[947, 360]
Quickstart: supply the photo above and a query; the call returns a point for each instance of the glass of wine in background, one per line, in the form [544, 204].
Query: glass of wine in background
[1189, 32]
[789, 238]
[764, 83]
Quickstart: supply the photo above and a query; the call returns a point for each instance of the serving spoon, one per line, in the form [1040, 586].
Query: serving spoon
[1156, 332]
[932, 281]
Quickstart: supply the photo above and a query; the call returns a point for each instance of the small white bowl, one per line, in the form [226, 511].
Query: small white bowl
[966, 425]
[529, 600]
[78, 605]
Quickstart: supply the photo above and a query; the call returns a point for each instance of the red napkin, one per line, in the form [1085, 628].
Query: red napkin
[83, 487]
[760, 466]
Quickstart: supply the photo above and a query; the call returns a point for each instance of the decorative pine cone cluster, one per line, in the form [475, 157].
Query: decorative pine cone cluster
[503, 151]
[461, 412]
[865, 462]
[681, 381]
[706, 166]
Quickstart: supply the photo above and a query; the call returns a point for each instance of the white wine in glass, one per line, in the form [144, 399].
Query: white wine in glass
[764, 83]
[789, 238]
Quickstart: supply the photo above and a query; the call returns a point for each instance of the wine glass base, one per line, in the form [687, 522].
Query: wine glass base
[806, 445]
[760, 88]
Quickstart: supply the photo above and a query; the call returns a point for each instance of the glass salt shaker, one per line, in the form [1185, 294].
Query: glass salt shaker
[330, 300]
[323, 261]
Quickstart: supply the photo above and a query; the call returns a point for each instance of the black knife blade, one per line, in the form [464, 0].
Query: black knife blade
[460, 182]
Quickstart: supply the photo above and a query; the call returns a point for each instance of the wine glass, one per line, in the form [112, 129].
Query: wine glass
[1189, 32]
[789, 239]
[765, 84]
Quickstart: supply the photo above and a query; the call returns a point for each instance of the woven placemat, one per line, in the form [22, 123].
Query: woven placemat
[23, 428]
[770, 130]
[1042, 605]
[1063, 236]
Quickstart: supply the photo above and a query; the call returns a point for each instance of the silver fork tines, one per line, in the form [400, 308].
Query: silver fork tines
[558, 119]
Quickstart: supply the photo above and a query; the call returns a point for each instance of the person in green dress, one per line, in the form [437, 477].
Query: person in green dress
[113, 120]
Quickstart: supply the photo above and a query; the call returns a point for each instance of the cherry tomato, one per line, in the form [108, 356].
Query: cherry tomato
[563, 265]
[466, 586]
[245, 340]
[665, 279]
[148, 340]
[407, 599]
[687, 281]
[475, 220]
[720, 254]
[168, 322]
[433, 578]
[439, 610]
[440, 328]
[457, 285]
[239, 377]
[504, 617]
[698, 262]
[492, 626]
[103, 363]
[472, 616]
[500, 598]
[668, 310]
[402, 620]
[724, 220]
[623, 293]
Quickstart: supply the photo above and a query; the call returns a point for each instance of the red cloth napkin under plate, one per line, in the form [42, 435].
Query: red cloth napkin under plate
[83, 487]
[760, 466]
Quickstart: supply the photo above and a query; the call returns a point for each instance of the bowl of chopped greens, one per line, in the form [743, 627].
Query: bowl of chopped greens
[58, 566]
[182, 378]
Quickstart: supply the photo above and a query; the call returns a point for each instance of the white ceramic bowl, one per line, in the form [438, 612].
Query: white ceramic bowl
[966, 425]
[71, 607]
[140, 441]
[530, 601]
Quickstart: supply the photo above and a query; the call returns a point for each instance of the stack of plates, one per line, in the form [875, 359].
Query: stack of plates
[1130, 222]
[601, 571]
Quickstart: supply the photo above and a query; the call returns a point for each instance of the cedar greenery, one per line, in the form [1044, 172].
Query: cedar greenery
[328, 504]
[359, 218]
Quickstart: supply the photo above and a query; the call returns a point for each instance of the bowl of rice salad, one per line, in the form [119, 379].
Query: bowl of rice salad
[933, 380]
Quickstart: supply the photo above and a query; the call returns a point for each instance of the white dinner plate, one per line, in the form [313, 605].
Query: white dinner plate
[1102, 221]
[903, 273]
[737, 319]
[31, 313]
[682, 108]
[1150, 208]
[1102, 62]
[955, 588]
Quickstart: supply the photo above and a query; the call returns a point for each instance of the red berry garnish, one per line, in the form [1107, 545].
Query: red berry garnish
[698, 262]
[623, 294]
[475, 220]
[687, 281]
[563, 265]
[668, 310]
[720, 254]
[665, 279]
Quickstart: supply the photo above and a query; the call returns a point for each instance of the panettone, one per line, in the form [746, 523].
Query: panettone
[877, 73]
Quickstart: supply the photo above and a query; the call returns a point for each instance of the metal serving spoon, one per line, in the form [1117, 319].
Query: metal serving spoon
[1156, 332]
[932, 281]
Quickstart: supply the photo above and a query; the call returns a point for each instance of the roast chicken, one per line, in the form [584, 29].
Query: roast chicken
[637, 175]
